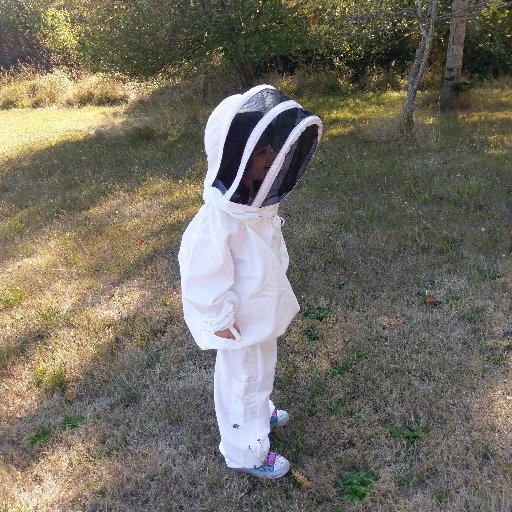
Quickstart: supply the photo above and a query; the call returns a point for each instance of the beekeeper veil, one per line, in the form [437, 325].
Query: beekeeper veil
[259, 145]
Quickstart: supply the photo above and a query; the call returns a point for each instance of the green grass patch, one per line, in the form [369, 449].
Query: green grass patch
[51, 380]
[49, 314]
[411, 435]
[43, 435]
[347, 363]
[356, 485]
[314, 316]
[318, 313]
[11, 296]
[490, 274]
[497, 359]
[129, 395]
[12, 227]
[72, 422]
[45, 432]
[475, 315]
[313, 333]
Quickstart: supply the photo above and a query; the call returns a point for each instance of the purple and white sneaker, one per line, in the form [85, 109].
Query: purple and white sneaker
[279, 418]
[274, 466]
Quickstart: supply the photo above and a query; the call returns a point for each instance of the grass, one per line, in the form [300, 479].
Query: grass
[396, 375]
[356, 485]
[30, 89]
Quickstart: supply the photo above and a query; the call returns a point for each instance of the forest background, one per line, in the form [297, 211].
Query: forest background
[355, 41]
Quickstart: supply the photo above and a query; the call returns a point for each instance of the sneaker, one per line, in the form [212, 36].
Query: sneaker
[274, 466]
[279, 418]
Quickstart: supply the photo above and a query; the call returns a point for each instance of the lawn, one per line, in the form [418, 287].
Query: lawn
[396, 373]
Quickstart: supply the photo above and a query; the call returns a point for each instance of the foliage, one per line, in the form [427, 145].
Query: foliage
[145, 37]
[488, 47]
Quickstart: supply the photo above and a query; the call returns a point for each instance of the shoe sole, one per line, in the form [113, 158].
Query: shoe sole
[281, 423]
[265, 476]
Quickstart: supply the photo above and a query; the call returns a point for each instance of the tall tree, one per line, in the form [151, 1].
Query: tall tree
[426, 19]
[454, 54]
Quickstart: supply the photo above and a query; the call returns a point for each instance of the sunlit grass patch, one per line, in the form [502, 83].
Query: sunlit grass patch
[26, 131]
[11, 296]
[12, 227]
[51, 379]
[31, 89]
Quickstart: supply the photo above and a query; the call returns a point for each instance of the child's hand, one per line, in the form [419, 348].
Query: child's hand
[226, 333]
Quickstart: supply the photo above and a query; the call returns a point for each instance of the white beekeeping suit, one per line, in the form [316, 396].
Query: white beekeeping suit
[233, 258]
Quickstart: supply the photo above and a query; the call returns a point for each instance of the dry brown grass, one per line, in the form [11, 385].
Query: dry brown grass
[105, 402]
[29, 88]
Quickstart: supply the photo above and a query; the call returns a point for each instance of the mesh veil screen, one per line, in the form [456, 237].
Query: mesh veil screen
[294, 166]
[270, 143]
[239, 131]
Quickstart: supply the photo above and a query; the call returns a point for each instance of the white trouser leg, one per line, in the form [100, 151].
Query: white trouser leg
[243, 381]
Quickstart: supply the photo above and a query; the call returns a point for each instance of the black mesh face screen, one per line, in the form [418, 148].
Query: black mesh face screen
[264, 153]
[294, 165]
[240, 129]
[245, 165]
[263, 101]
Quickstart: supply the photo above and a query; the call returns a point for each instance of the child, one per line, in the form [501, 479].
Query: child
[233, 262]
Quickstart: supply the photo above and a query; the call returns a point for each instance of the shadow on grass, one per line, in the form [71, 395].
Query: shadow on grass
[53, 192]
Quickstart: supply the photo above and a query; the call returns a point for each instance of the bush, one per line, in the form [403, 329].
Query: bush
[488, 46]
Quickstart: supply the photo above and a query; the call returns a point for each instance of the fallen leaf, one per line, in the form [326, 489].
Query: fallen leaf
[302, 480]
[431, 301]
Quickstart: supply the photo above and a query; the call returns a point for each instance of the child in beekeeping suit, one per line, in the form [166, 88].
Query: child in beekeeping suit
[233, 262]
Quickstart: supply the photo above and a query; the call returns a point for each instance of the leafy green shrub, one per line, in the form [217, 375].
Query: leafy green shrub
[488, 43]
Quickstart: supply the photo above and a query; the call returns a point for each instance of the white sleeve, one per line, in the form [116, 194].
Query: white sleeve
[207, 275]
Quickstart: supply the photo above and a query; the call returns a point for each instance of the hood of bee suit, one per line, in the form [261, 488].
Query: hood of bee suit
[258, 145]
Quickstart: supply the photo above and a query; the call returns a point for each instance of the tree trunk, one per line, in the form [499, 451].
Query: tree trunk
[427, 25]
[453, 67]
